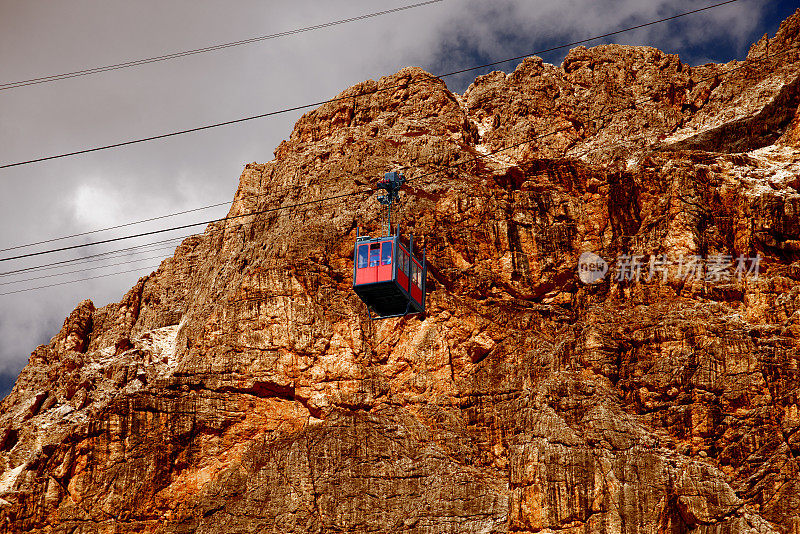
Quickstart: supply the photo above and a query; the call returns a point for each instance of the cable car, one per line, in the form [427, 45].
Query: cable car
[387, 275]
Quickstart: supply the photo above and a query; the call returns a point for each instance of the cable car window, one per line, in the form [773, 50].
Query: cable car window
[402, 259]
[386, 253]
[414, 271]
[417, 275]
[362, 256]
[374, 254]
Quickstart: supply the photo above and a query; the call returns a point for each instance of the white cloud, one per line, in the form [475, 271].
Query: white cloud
[95, 206]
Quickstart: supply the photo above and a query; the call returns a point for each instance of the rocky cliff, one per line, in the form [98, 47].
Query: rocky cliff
[242, 388]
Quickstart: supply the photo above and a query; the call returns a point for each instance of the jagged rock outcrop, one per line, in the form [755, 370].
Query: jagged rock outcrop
[241, 387]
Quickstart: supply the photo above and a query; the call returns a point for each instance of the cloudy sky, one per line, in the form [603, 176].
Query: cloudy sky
[77, 194]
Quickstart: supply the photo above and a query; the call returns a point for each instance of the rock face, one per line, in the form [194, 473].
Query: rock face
[242, 388]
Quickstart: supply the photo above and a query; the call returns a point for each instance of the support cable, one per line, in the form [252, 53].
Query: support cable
[337, 99]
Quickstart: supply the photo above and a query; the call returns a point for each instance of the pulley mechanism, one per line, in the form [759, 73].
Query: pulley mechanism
[389, 192]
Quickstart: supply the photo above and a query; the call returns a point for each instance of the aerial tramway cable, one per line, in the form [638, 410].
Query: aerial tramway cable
[407, 167]
[75, 281]
[337, 99]
[248, 196]
[180, 227]
[159, 257]
[205, 49]
[102, 256]
[474, 158]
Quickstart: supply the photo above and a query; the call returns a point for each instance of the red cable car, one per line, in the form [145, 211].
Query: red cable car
[387, 275]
